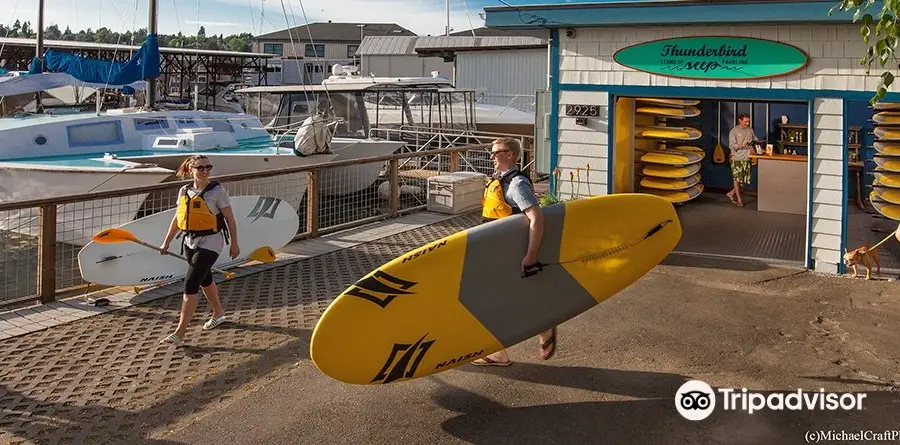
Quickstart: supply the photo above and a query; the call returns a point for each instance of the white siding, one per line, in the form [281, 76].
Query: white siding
[834, 52]
[405, 66]
[504, 76]
[828, 155]
[583, 150]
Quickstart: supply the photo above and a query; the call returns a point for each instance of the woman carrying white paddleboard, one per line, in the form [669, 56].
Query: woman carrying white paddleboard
[205, 219]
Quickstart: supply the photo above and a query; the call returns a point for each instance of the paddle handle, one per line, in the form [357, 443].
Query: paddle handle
[156, 248]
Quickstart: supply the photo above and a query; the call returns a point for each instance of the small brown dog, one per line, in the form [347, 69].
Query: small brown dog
[862, 256]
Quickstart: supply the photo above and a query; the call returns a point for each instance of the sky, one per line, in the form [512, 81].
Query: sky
[423, 17]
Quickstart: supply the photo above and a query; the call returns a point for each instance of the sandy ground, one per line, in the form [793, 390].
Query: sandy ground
[615, 376]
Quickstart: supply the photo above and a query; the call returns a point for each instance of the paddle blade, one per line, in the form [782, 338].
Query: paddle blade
[114, 235]
[264, 254]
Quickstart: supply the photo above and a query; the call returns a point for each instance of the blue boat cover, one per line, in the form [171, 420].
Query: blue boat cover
[143, 65]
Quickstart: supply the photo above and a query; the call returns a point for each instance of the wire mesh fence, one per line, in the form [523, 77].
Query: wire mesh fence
[39, 263]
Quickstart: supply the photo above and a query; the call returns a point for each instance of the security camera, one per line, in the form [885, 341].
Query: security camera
[570, 33]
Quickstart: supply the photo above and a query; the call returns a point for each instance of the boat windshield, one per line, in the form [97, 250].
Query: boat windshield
[360, 111]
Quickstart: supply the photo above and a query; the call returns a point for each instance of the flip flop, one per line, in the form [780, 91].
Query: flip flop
[550, 342]
[731, 198]
[487, 361]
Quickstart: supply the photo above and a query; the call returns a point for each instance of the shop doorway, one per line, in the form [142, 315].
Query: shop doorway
[678, 148]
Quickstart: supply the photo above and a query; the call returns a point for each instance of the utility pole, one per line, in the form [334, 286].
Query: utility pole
[447, 32]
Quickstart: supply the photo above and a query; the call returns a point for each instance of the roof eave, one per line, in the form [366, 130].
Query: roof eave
[698, 12]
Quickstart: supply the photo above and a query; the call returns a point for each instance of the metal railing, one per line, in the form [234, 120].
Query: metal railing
[40, 239]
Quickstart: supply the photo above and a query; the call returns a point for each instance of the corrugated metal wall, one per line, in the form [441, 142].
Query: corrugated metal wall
[504, 75]
[405, 66]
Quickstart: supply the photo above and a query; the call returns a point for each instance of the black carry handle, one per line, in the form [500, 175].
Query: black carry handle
[532, 270]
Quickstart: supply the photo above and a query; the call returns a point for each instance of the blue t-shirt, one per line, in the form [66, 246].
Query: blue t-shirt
[519, 192]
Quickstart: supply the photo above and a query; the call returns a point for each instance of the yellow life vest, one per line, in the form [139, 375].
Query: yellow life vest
[194, 216]
[493, 203]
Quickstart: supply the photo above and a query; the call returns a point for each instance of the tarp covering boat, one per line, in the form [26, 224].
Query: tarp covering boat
[15, 83]
[143, 65]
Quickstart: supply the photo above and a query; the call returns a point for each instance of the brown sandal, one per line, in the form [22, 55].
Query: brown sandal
[550, 342]
[487, 361]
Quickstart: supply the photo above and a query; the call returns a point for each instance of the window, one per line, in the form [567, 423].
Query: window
[150, 124]
[318, 52]
[101, 133]
[351, 51]
[273, 48]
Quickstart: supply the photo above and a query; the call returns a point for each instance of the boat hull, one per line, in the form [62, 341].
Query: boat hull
[351, 179]
[290, 187]
[76, 222]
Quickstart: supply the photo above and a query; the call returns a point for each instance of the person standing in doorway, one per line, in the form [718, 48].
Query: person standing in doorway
[508, 193]
[740, 141]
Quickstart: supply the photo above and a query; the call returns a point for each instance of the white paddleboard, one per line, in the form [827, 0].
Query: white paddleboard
[261, 221]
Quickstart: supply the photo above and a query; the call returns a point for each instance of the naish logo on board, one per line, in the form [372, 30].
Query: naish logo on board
[368, 288]
[405, 366]
[424, 251]
[159, 278]
[462, 358]
[265, 208]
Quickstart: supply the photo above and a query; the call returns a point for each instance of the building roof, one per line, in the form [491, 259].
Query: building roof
[388, 46]
[625, 13]
[488, 32]
[337, 32]
[67, 44]
[459, 43]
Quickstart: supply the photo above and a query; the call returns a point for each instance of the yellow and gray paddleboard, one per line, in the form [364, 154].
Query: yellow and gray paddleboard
[887, 148]
[887, 118]
[670, 171]
[687, 148]
[678, 113]
[651, 182]
[671, 157]
[462, 297]
[886, 179]
[887, 194]
[887, 209]
[677, 196]
[669, 133]
[887, 133]
[887, 164]
[886, 106]
[671, 102]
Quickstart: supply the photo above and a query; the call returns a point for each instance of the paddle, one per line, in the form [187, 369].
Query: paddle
[263, 254]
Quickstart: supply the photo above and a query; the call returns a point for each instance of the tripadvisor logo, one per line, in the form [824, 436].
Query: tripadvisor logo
[703, 58]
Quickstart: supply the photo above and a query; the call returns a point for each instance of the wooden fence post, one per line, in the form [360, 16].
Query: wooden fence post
[312, 202]
[47, 254]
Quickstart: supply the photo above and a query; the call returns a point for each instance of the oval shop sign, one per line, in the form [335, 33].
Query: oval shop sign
[713, 58]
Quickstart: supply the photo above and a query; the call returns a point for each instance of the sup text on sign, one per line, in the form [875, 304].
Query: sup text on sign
[714, 58]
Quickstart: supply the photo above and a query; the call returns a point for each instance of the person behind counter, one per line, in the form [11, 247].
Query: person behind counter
[740, 141]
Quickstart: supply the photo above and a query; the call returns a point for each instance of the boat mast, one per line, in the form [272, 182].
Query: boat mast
[151, 83]
[39, 50]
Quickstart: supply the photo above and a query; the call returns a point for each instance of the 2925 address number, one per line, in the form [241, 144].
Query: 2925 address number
[583, 110]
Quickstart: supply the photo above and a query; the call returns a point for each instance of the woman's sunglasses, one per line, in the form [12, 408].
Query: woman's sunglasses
[203, 167]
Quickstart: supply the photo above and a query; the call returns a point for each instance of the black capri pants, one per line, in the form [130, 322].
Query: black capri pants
[199, 273]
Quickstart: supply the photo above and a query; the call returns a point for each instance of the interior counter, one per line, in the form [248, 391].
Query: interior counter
[782, 183]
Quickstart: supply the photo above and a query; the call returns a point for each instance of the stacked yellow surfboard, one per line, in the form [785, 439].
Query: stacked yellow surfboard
[671, 168]
[885, 195]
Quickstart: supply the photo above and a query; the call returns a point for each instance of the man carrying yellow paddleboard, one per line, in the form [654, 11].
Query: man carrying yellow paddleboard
[740, 141]
[510, 192]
